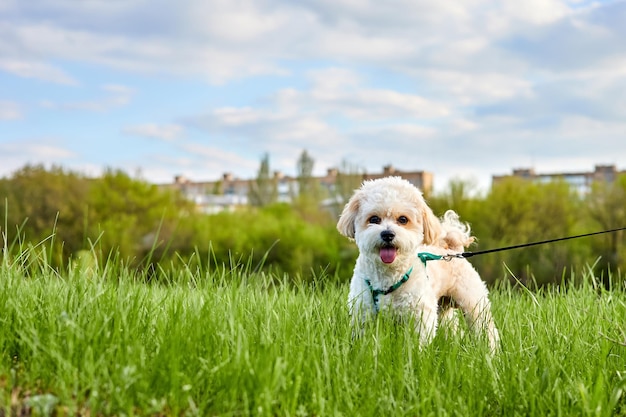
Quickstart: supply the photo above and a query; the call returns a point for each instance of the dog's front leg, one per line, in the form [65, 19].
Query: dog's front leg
[360, 310]
[357, 324]
[426, 319]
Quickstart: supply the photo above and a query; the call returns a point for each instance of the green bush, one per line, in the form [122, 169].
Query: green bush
[274, 236]
[516, 211]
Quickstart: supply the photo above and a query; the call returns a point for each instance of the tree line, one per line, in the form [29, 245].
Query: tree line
[116, 216]
[518, 211]
[69, 215]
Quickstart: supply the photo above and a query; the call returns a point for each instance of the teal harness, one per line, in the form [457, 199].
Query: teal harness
[424, 257]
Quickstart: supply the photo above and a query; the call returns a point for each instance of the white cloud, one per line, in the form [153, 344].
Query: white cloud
[224, 40]
[250, 20]
[10, 111]
[206, 33]
[17, 153]
[469, 89]
[341, 92]
[37, 70]
[214, 158]
[151, 130]
[44, 149]
[233, 116]
[537, 12]
[115, 96]
[277, 130]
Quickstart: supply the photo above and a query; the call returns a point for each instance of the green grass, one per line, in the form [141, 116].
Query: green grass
[102, 341]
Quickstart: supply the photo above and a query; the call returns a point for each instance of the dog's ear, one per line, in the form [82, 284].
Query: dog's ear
[346, 225]
[432, 227]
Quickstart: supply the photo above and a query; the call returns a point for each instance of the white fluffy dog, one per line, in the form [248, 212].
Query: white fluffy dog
[391, 223]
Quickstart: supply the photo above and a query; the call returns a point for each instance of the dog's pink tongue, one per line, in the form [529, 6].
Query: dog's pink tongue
[387, 254]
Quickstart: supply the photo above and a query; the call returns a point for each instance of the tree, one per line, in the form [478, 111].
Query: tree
[308, 188]
[46, 204]
[461, 196]
[519, 211]
[309, 197]
[606, 205]
[349, 178]
[264, 189]
[131, 217]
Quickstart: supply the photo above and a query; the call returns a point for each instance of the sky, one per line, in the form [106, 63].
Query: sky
[464, 89]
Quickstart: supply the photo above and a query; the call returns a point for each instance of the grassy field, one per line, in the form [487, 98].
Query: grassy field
[101, 341]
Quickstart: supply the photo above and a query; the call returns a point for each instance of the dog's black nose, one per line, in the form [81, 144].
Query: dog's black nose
[387, 235]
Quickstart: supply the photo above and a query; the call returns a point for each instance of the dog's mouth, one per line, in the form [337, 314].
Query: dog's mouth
[388, 254]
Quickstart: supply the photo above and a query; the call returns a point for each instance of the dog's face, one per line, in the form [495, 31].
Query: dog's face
[389, 219]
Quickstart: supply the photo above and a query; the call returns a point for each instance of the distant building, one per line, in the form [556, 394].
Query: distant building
[580, 181]
[421, 179]
[230, 192]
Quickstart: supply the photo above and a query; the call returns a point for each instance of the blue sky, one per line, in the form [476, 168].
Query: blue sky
[464, 89]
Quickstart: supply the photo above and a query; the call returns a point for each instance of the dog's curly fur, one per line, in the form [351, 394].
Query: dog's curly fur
[390, 223]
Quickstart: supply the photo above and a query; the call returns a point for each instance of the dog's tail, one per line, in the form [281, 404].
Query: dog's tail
[457, 234]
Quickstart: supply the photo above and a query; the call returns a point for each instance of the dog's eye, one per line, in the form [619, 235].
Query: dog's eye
[374, 220]
[403, 220]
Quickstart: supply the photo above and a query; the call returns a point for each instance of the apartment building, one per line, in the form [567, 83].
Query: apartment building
[229, 191]
[580, 180]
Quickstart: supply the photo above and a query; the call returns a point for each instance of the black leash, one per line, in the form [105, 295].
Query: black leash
[524, 245]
